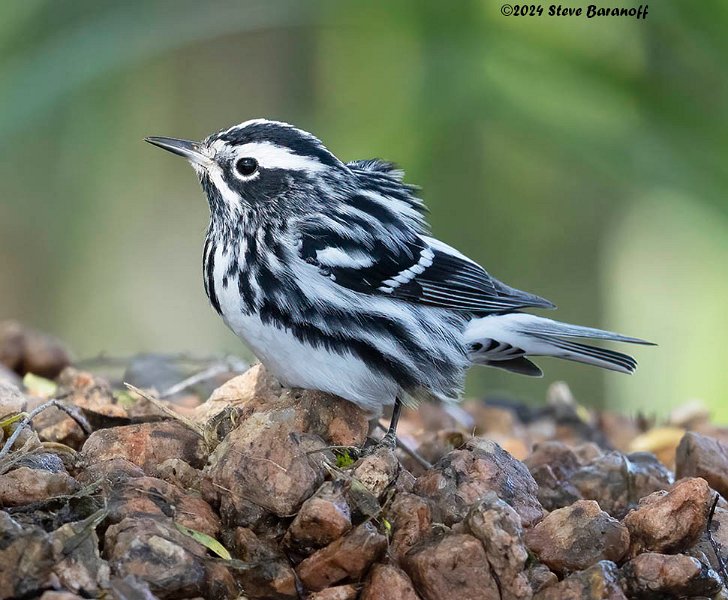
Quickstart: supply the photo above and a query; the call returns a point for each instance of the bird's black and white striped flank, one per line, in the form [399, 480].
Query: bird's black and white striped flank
[329, 272]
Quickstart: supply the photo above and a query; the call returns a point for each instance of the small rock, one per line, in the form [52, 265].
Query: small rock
[219, 582]
[617, 481]
[362, 503]
[447, 566]
[146, 445]
[274, 580]
[652, 575]
[155, 551]
[43, 461]
[78, 565]
[180, 473]
[130, 588]
[386, 582]
[248, 547]
[270, 575]
[265, 463]
[50, 595]
[540, 577]
[256, 389]
[338, 422]
[323, 518]
[23, 486]
[552, 464]
[151, 497]
[111, 470]
[498, 527]
[28, 351]
[433, 445]
[340, 592]
[410, 517]
[670, 521]
[577, 536]
[464, 476]
[598, 582]
[33, 560]
[346, 558]
[619, 429]
[12, 400]
[701, 456]
[557, 455]
[587, 452]
[26, 556]
[377, 471]
[87, 390]
[12, 344]
[54, 425]
[9, 377]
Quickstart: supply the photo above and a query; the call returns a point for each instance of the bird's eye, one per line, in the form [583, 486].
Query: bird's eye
[246, 166]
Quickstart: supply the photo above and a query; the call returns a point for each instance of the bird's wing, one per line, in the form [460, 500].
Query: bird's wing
[382, 258]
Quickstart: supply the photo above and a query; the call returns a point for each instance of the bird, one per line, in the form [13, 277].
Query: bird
[330, 274]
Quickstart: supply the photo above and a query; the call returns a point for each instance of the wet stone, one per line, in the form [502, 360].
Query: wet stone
[577, 536]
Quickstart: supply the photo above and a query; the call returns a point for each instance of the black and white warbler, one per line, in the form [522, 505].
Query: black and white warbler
[329, 273]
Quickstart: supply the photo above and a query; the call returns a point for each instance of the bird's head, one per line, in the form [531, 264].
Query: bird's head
[258, 168]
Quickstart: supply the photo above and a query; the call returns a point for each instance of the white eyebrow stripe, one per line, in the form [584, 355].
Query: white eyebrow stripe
[271, 156]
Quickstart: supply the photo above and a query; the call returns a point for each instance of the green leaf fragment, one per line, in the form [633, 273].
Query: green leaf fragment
[39, 386]
[207, 541]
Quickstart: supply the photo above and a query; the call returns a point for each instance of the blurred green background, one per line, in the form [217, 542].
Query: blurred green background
[583, 160]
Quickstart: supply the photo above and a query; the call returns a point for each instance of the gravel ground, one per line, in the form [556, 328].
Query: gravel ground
[233, 486]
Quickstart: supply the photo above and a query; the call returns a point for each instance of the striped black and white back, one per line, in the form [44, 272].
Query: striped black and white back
[329, 272]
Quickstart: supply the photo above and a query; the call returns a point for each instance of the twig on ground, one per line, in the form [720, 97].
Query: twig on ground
[83, 423]
[203, 375]
[166, 410]
[103, 360]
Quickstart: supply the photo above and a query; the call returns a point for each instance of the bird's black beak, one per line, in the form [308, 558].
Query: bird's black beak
[190, 150]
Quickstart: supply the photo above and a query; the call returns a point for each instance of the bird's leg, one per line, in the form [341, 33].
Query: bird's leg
[390, 438]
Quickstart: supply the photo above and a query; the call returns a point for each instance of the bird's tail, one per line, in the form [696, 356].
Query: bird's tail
[506, 341]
